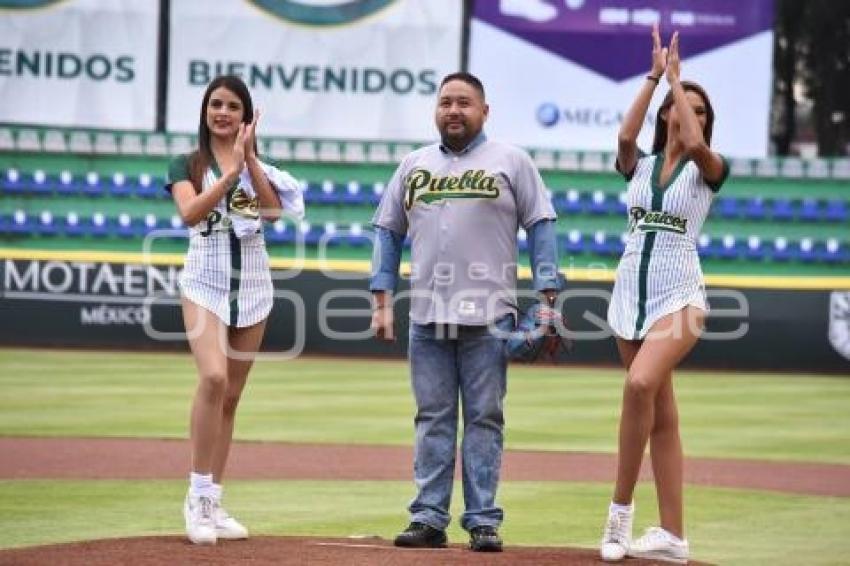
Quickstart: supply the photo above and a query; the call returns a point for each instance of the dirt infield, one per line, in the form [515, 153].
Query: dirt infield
[125, 458]
[261, 551]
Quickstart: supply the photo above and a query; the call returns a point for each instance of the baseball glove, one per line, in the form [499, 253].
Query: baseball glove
[536, 336]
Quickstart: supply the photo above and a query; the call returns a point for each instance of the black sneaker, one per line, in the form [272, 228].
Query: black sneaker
[485, 538]
[420, 535]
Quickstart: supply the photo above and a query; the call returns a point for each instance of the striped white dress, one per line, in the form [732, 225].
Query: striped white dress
[227, 275]
[659, 272]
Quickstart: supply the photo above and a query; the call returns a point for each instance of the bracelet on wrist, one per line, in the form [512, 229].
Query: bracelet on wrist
[654, 79]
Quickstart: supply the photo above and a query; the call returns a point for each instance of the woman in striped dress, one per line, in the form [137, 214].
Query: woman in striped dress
[658, 306]
[226, 286]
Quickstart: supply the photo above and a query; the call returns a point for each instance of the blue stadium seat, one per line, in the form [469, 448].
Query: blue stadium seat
[755, 209]
[782, 209]
[22, 223]
[354, 194]
[807, 251]
[596, 205]
[41, 184]
[522, 240]
[783, 251]
[728, 207]
[46, 226]
[70, 225]
[119, 186]
[730, 247]
[13, 184]
[127, 227]
[573, 202]
[755, 250]
[147, 188]
[355, 236]
[574, 242]
[375, 195]
[99, 226]
[622, 207]
[836, 211]
[311, 192]
[91, 185]
[810, 210]
[833, 252]
[328, 194]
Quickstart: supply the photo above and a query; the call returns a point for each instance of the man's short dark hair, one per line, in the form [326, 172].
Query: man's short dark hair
[468, 78]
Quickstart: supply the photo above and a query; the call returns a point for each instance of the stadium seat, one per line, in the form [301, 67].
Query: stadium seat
[740, 168]
[41, 184]
[329, 152]
[782, 251]
[400, 151]
[567, 161]
[22, 223]
[592, 161]
[28, 140]
[767, 168]
[54, 142]
[278, 234]
[105, 143]
[755, 209]
[782, 209]
[354, 152]
[127, 227]
[574, 243]
[841, 168]
[596, 205]
[99, 227]
[280, 149]
[91, 185]
[146, 188]
[833, 252]
[729, 248]
[573, 202]
[7, 140]
[817, 168]
[809, 210]
[119, 186]
[379, 153]
[543, 159]
[66, 184]
[355, 236]
[522, 240]
[728, 207]
[807, 252]
[79, 142]
[71, 226]
[12, 182]
[46, 226]
[836, 211]
[791, 168]
[305, 151]
[155, 144]
[130, 144]
[755, 249]
[354, 195]
[5, 224]
[376, 193]
[328, 193]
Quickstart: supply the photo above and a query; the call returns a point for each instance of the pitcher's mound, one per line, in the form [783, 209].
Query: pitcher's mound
[161, 551]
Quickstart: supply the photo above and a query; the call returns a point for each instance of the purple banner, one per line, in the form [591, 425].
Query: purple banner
[612, 37]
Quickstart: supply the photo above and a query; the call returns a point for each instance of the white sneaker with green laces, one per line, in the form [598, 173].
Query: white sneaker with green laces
[658, 544]
[617, 537]
[226, 527]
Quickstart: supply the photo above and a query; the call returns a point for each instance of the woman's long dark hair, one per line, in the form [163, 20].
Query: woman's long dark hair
[660, 139]
[201, 158]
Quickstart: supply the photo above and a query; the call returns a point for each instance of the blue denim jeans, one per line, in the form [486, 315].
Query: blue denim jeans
[472, 365]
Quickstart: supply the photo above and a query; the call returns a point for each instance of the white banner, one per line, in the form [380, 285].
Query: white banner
[355, 69]
[82, 63]
[562, 74]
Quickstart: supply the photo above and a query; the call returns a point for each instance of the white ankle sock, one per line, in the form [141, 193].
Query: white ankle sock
[201, 485]
[614, 507]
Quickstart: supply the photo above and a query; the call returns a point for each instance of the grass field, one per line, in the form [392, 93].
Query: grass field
[780, 417]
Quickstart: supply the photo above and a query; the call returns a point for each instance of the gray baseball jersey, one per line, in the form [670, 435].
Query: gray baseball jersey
[462, 211]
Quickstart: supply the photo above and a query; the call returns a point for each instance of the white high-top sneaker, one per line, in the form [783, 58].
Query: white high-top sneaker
[198, 514]
[658, 544]
[226, 527]
[618, 535]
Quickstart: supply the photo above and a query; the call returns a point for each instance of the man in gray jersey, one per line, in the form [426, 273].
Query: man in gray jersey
[461, 201]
